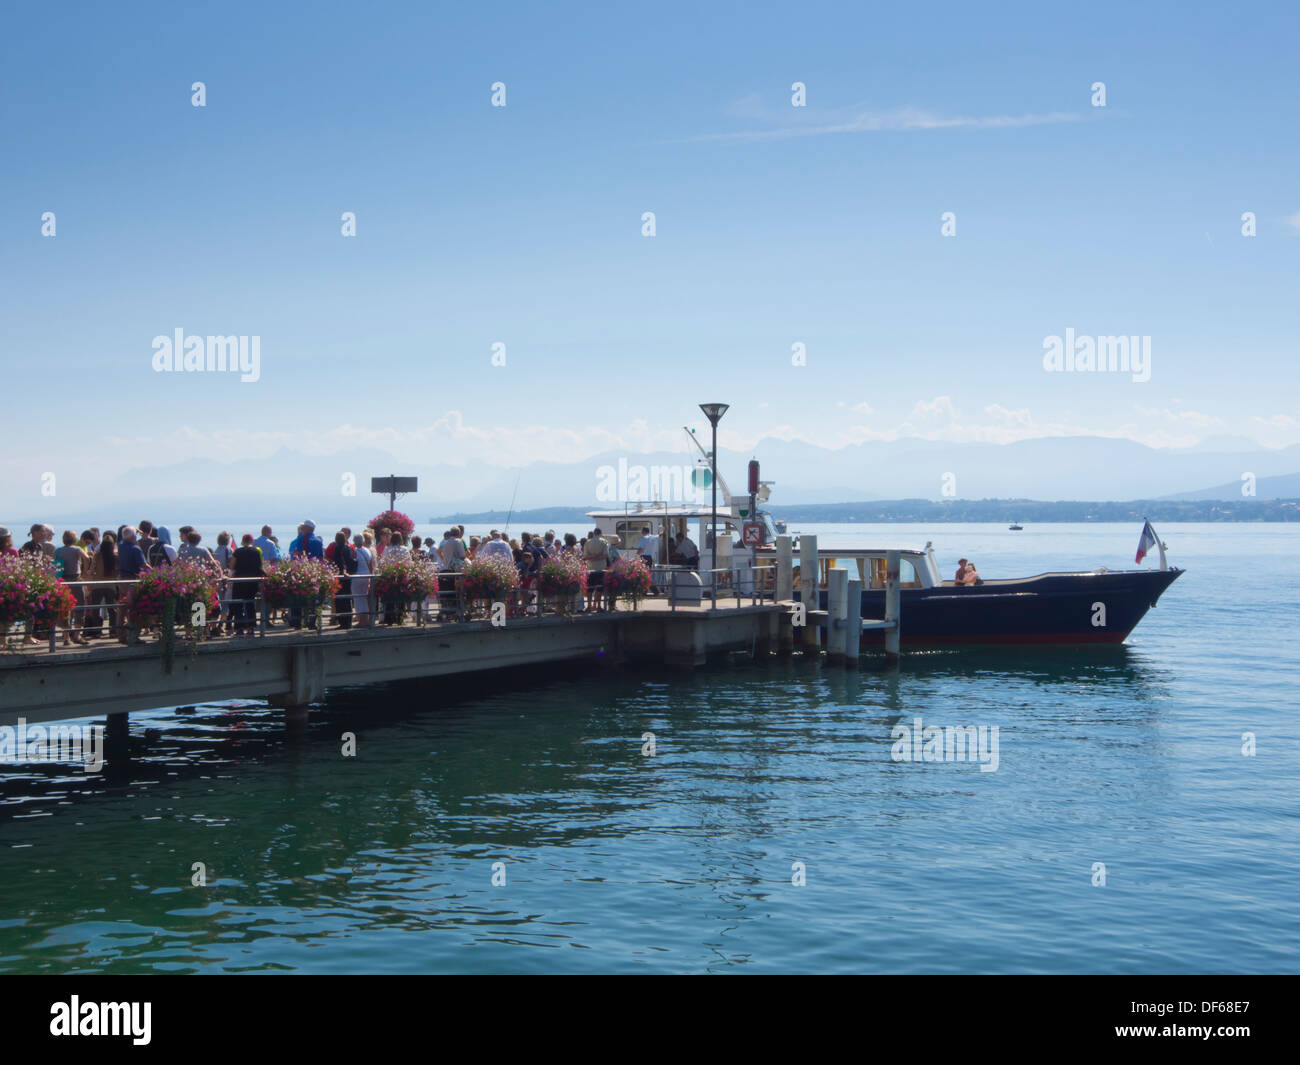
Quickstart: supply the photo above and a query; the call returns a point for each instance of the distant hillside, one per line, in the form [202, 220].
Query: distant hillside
[521, 519]
[289, 481]
[1027, 510]
[1285, 487]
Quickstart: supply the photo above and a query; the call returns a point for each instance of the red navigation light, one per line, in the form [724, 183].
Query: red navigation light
[753, 477]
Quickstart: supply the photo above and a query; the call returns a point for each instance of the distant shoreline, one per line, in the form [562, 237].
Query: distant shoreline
[912, 511]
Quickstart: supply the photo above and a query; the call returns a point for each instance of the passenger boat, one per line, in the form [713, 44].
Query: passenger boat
[1099, 606]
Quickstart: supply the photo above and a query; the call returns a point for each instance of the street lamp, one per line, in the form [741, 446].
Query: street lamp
[714, 412]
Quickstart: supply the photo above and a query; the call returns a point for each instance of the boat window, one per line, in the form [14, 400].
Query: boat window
[630, 534]
[876, 568]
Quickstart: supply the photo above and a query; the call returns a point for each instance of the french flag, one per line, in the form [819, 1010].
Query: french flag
[1146, 542]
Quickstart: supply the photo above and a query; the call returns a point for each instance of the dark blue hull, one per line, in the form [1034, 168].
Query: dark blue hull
[1054, 608]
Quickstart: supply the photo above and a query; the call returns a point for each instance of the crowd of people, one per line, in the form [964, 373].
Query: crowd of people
[96, 562]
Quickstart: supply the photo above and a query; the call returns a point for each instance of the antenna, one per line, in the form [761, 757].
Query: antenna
[513, 495]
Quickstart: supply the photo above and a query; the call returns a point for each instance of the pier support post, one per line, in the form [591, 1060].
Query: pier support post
[853, 623]
[837, 588]
[784, 570]
[686, 644]
[809, 571]
[765, 640]
[117, 738]
[117, 749]
[893, 606]
[306, 685]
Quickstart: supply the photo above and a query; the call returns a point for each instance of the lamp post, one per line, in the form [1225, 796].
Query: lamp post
[714, 412]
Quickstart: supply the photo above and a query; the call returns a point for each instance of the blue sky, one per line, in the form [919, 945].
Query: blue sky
[522, 224]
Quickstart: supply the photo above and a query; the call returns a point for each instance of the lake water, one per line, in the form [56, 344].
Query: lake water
[683, 861]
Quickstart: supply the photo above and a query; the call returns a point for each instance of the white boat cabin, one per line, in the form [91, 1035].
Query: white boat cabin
[916, 569]
[667, 520]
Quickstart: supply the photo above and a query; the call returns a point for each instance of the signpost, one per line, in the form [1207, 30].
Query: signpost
[393, 486]
[753, 534]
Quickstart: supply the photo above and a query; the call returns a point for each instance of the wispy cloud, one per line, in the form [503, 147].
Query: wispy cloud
[449, 439]
[859, 118]
[1293, 222]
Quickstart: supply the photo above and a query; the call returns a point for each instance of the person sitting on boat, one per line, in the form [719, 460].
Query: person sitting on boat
[966, 573]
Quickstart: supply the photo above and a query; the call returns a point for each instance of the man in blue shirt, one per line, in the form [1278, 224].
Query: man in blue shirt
[269, 548]
[130, 559]
[305, 545]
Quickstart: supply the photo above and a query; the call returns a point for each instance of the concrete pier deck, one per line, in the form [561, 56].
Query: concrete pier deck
[293, 668]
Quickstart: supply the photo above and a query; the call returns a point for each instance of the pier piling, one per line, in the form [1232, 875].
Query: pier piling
[853, 622]
[893, 604]
[837, 588]
[809, 569]
[784, 570]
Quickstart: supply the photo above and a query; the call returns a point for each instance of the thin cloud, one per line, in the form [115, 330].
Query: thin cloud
[859, 119]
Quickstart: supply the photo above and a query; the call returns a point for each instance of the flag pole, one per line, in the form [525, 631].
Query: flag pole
[1160, 544]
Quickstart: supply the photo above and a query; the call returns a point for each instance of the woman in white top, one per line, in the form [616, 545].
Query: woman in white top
[361, 582]
[396, 549]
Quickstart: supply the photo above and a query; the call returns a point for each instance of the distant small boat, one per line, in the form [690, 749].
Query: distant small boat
[1015, 527]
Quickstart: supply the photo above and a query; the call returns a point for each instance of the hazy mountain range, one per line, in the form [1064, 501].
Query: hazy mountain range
[1050, 468]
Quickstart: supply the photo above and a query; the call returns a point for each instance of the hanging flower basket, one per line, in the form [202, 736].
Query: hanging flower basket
[394, 521]
[300, 583]
[491, 579]
[563, 578]
[168, 594]
[183, 584]
[29, 588]
[628, 579]
[405, 580]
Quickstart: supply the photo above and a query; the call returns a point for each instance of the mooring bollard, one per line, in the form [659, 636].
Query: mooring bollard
[784, 570]
[808, 592]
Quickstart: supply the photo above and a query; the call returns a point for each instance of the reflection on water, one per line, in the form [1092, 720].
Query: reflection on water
[755, 769]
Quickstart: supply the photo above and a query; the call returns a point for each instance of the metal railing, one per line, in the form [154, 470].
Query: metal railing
[755, 583]
[100, 609]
